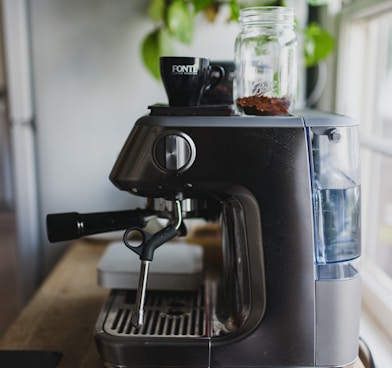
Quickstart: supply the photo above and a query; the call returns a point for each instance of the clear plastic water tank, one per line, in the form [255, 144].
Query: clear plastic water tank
[335, 165]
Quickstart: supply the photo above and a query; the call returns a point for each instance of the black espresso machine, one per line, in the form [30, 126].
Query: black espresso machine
[285, 191]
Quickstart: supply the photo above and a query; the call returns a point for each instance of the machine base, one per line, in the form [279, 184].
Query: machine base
[177, 332]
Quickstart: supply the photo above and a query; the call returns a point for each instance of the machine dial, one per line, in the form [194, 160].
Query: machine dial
[175, 151]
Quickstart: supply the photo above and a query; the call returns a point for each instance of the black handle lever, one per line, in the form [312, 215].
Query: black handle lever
[74, 225]
[150, 242]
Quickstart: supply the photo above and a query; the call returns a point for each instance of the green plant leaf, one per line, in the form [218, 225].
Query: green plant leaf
[234, 11]
[317, 2]
[200, 5]
[180, 21]
[156, 10]
[157, 43]
[318, 44]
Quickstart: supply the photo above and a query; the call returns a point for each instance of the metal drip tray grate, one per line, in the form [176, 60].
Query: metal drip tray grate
[174, 314]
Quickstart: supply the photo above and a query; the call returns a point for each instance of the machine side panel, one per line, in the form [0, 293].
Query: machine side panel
[281, 185]
[337, 323]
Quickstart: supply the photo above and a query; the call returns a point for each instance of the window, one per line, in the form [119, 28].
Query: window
[364, 91]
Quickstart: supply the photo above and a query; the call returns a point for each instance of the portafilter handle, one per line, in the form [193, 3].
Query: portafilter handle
[74, 225]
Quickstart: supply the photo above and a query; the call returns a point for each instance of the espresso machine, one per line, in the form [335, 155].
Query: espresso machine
[285, 192]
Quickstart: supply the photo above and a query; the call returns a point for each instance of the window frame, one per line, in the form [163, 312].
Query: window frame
[377, 286]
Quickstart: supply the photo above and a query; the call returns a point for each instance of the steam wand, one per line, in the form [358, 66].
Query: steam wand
[146, 251]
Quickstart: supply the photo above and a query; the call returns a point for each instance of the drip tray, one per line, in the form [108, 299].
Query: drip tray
[167, 314]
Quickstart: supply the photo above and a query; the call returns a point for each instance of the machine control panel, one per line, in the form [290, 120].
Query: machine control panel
[175, 151]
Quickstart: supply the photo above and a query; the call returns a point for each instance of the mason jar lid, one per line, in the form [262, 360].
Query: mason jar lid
[267, 15]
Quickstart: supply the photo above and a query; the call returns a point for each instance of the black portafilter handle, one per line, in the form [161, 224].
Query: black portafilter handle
[74, 225]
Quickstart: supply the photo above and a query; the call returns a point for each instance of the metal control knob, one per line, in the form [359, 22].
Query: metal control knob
[175, 151]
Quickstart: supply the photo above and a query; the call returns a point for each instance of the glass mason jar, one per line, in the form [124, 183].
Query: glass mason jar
[265, 80]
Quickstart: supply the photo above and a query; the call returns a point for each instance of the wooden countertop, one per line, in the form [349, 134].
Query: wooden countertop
[62, 314]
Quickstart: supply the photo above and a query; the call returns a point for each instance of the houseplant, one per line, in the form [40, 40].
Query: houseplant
[174, 21]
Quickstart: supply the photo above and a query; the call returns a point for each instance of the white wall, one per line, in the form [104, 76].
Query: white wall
[6, 193]
[89, 88]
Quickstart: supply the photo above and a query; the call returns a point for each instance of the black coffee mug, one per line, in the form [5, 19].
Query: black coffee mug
[186, 79]
[223, 93]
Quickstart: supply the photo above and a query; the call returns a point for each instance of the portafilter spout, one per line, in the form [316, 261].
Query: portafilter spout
[207, 208]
